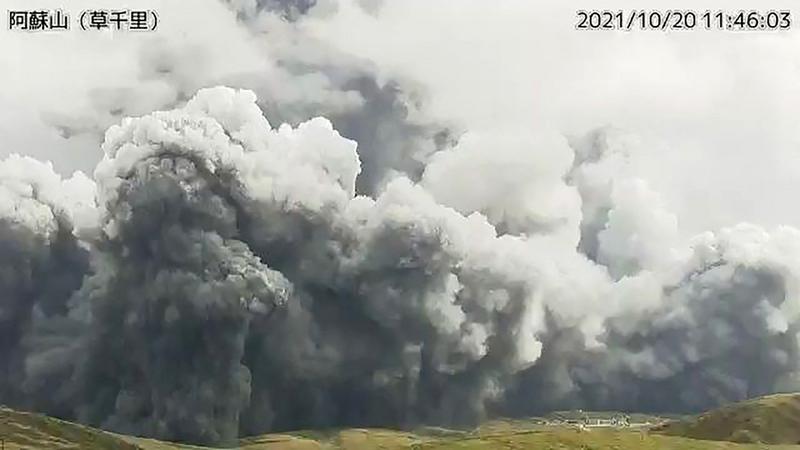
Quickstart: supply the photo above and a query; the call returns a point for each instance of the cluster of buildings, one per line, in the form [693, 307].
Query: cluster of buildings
[586, 419]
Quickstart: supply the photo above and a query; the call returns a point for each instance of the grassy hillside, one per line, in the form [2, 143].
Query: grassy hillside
[774, 419]
[770, 419]
[20, 430]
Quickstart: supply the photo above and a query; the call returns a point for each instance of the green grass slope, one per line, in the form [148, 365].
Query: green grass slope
[564, 438]
[19, 430]
[773, 419]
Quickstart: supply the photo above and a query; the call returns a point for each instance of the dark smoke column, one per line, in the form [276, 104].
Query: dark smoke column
[401, 309]
[175, 288]
[41, 263]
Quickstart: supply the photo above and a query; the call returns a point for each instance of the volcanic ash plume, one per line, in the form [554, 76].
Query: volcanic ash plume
[230, 281]
[240, 280]
[42, 262]
[688, 326]
[177, 288]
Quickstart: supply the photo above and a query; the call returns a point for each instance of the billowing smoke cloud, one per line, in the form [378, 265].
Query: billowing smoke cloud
[177, 288]
[249, 286]
[722, 326]
[239, 284]
[296, 78]
[694, 325]
[42, 261]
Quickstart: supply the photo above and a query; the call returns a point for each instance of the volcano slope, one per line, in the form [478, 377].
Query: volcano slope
[771, 422]
[774, 419]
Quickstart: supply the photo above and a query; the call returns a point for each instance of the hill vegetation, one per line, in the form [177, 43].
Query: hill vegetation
[771, 422]
[773, 419]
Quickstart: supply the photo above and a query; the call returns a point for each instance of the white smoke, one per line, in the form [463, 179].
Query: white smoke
[33, 196]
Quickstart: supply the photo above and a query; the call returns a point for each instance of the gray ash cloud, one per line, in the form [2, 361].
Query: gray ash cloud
[227, 279]
[300, 78]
